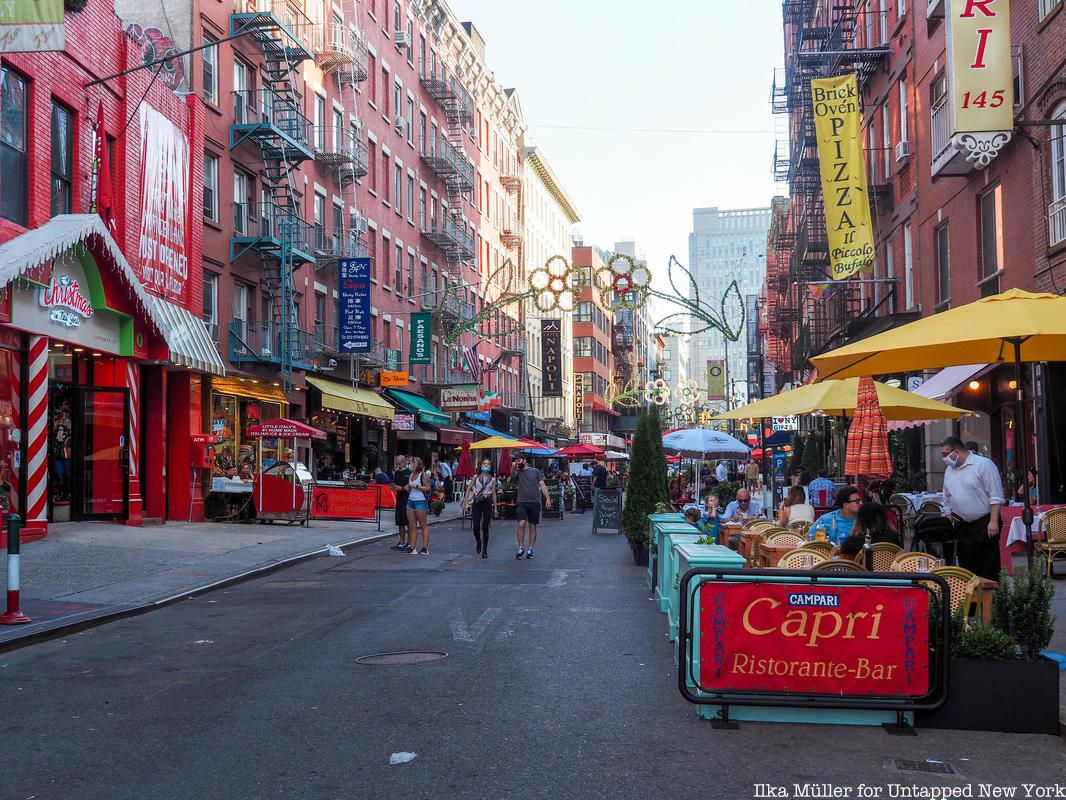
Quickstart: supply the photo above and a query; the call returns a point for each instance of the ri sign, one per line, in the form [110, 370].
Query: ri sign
[354, 311]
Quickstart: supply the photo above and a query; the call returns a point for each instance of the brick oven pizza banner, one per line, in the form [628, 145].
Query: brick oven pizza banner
[163, 247]
[801, 639]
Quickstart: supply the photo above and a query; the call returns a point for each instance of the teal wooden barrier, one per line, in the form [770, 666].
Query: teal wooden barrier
[686, 555]
[654, 521]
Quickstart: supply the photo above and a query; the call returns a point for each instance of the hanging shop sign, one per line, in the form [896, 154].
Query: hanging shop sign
[164, 257]
[31, 26]
[394, 378]
[66, 304]
[392, 359]
[796, 638]
[551, 361]
[460, 398]
[838, 126]
[716, 380]
[784, 424]
[421, 330]
[354, 305]
[579, 397]
[403, 422]
[979, 54]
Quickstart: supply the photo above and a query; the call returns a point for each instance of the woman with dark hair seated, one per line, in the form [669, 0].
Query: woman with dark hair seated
[871, 519]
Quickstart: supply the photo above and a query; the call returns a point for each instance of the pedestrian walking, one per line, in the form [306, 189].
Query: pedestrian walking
[480, 498]
[751, 476]
[973, 494]
[531, 487]
[599, 480]
[419, 487]
[401, 474]
[444, 467]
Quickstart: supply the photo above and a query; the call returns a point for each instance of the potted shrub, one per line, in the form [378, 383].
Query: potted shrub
[646, 486]
[997, 679]
[568, 498]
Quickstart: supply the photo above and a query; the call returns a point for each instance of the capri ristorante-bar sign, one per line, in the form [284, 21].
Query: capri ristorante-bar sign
[838, 127]
[804, 638]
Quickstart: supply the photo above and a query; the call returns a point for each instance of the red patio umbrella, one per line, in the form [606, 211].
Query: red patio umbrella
[505, 463]
[868, 437]
[465, 468]
[581, 451]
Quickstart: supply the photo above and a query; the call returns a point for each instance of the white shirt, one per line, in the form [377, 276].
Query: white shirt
[721, 473]
[445, 469]
[971, 488]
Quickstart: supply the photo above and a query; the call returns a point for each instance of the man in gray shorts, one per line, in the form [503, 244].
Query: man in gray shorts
[527, 509]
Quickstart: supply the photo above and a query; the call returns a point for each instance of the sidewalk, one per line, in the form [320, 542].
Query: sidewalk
[90, 570]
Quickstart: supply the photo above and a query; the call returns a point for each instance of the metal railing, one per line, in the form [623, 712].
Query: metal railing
[1056, 218]
[446, 161]
[337, 45]
[287, 14]
[940, 125]
[269, 221]
[444, 375]
[339, 242]
[265, 110]
[335, 147]
[444, 232]
[263, 342]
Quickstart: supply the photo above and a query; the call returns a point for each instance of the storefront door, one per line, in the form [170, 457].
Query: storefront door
[101, 478]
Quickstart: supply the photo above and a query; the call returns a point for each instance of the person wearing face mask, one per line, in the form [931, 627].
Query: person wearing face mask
[480, 498]
[531, 487]
[973, 494]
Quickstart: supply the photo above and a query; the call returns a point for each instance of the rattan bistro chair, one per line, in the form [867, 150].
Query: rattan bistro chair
[824, 548]
[800, 558]
[800, 527]
[912, 562]
[838, 565]
[884, 553]
[785, 537]
[1054, 544]
[963, 586]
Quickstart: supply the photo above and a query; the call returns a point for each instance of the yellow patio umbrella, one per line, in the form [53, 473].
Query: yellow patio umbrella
[1016, 326]
[499, 443]
[840, 398]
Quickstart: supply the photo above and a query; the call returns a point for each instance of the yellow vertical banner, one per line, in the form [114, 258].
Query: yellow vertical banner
[838, 128]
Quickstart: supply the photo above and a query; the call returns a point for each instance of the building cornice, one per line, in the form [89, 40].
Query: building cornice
[537, 162]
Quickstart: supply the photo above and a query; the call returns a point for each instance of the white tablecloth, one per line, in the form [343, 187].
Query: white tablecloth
[1017, 528]
[923, 497]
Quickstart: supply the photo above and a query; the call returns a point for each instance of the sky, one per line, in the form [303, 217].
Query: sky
[685, 65]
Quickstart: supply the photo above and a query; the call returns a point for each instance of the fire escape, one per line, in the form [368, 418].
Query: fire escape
[274, 229]
[822, 41]
[444, 156]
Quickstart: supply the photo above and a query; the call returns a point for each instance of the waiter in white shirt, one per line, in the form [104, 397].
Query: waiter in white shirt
[973, 494]
[721, 472]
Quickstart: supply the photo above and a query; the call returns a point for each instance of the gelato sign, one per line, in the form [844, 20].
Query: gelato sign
[66, 304]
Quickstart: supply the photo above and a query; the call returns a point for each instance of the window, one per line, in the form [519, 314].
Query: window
[583, 347]
[410, 196]
[410, 274]
[319, 211]
[883, 14]
[1047, 6]
[242, 94]
[372, 167]
[410, 121]
[210, 76]
[337, 231]
[320, 122]
[991, 239]
[14, 191]
[422, 130]
[422, 208]
[943, 265]
[385, 178]
[320, 317]
[339, 144]
[903, 107]
[211, 187]
[398, 188]
[372, 81]
[211, 304]
[1057, 209]
[886, 140]
[241, 293]
[397, 100]
[398, 282]
[908, 268]
[433, 138]
[901, 7]
[62, 159]
[583, 313]
[242, 187]
[385, 93]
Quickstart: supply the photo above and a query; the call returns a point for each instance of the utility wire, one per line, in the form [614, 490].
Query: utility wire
[701, 131]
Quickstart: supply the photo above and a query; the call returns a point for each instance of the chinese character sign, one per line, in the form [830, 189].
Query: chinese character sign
[163, 253]
[354, 305]
[551, 363]
[838, 127]
[420, 338]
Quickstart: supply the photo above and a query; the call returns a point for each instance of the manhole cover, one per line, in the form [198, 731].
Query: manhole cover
[401, 657]
[936, 767]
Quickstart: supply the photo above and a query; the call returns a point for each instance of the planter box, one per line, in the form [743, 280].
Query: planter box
[1006, 696]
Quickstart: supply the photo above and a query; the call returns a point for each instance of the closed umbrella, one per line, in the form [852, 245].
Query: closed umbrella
[1016, 326]
[505, 463]
[465, 468]
[868, 437]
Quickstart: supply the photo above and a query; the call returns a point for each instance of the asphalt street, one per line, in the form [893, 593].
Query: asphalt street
[558, 683]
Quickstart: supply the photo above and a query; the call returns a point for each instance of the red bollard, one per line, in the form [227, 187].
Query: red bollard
[14, 615]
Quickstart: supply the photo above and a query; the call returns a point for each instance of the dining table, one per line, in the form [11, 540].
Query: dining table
[770, 553]
[1012, 532]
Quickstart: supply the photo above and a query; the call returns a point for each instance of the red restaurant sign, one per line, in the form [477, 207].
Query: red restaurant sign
[803, 638]
[329, 503]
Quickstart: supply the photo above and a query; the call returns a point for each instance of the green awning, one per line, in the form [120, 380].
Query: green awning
[424, 410]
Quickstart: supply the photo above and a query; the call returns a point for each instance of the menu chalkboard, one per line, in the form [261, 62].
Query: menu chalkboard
[555, 492]
[583, 490]
[607, 510]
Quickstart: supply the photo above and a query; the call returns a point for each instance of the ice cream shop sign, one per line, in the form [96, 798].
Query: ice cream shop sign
[66, 304]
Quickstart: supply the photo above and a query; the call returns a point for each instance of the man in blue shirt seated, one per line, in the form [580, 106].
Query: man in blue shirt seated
[743, 509]
[820, 490]
[836, 525]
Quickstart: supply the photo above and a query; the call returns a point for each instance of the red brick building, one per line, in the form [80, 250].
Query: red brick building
[593, 356]
[102, 361]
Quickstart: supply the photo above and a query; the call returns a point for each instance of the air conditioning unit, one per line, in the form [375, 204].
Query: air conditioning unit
[400, 123]
[903, 150]
[401, 39]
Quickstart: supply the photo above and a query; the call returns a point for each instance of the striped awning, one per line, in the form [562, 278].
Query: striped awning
[187, 337]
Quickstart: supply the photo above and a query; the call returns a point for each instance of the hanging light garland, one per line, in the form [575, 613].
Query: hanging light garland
[728, 318]
[657, 392]
[555, 286]
[623, 283]
[500, 283]
[627, 395]
[689, 393]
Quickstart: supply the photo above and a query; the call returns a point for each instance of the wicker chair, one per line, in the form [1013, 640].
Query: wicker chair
[912, 562]
[903, 503]
[838, 565]
[1054, 544]
[800, 527]
[800, 558]
[884, 553]
[785, 537]
[930, 509]
[963, 585]
[756, 545]
[825, 548]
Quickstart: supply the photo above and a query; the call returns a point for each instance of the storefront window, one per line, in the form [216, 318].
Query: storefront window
[231, 417]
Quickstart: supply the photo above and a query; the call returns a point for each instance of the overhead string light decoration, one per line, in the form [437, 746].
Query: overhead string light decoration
[657, 392]
[698, 317]
[555, 286]
[458, 318]
[689, 394]
[625, 395]
[623, 283]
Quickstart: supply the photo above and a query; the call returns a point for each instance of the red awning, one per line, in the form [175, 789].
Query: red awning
[455, 436]
[284, 429]
[596, 405]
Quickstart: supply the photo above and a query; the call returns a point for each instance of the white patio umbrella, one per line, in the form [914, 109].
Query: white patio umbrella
[703, 443]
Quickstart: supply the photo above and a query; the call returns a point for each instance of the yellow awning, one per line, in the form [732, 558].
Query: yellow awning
[353, 400]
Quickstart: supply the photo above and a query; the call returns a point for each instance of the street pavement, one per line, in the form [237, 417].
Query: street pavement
[558, 683]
